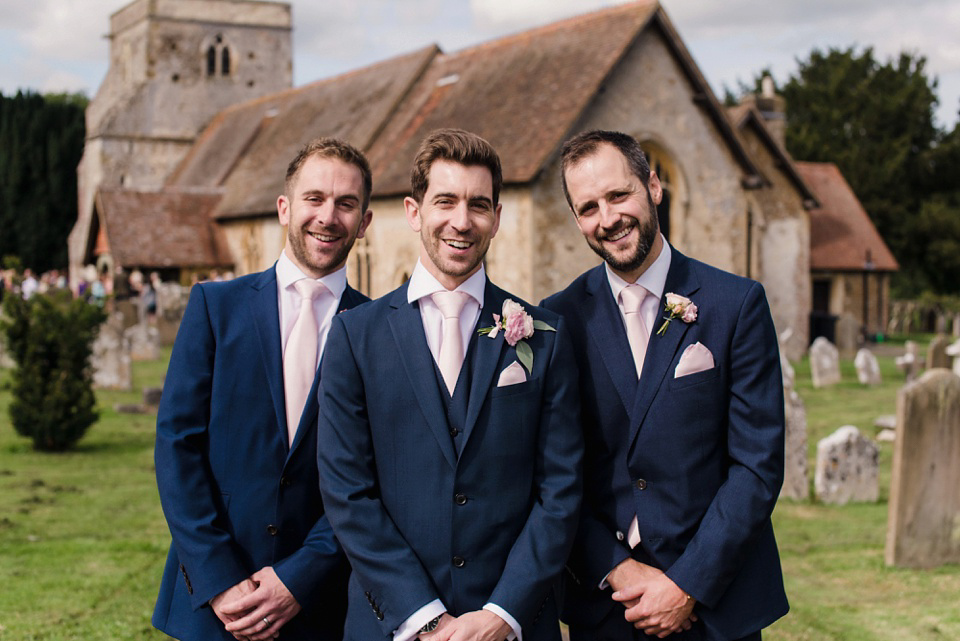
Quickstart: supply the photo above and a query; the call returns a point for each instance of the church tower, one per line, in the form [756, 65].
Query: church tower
[174, 64]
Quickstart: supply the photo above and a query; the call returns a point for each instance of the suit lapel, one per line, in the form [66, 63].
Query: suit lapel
[407, 328]
[266, 315]
[487, 356]
[661, 350]
[350, 299]
[606, 330]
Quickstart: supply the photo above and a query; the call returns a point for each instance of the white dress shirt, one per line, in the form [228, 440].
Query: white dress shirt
[288, 299]
[422, 284]
[654, 280]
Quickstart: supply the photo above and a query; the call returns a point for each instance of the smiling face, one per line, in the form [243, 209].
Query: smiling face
[456, 220]
[323, 213]
[615, 212]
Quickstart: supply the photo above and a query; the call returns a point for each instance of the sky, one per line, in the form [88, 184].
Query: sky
[59, 45]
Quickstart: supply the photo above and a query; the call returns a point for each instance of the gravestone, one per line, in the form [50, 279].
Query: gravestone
[171, 302]
[144, 342]
[786, 371]
[128, 310]
[910, 363]
[937, 352]
[848, 333]
[151, 396]
[868, 369]
[111, 356]
[923, 526]
[846, 470]
[953, 351]
[796, 484]
[824, 363]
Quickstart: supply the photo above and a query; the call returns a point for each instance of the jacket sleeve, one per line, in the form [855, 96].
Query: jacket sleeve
[209, 557]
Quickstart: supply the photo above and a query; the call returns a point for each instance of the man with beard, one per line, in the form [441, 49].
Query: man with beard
[683, 422]
[253, 556]
[450, 468]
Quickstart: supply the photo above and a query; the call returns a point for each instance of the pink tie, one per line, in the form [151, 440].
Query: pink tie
[300, 356]
[451, 344]
[637, 334]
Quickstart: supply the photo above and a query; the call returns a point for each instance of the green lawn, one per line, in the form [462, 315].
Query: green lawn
[83, 540]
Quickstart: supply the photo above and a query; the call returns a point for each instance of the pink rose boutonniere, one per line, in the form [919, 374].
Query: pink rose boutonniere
[679, 307]
[516, 325]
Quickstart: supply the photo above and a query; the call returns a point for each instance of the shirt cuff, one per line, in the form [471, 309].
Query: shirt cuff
[503, 614]
[410, 628]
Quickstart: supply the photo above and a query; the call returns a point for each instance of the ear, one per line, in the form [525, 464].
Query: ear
[364, 223]
[654, 187]
[283, 210]
[412, 210]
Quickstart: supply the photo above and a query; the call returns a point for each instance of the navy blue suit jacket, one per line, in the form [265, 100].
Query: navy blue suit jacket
[699, 459]
[235, 496]
[420, 523]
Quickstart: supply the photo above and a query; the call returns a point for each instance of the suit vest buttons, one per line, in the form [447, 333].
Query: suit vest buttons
[458, 562]
[641, 484]
[285, 481]
[460, 499]
[454, 432]
[272, 530]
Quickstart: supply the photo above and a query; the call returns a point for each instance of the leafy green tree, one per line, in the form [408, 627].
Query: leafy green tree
[41, 142]
[50, 338]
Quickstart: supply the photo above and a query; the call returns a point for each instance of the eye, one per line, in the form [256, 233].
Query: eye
[619, 196]
[588, 210]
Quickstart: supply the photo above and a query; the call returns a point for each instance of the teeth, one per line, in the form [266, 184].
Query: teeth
[620, 235]
[326, 239]
[458, 244]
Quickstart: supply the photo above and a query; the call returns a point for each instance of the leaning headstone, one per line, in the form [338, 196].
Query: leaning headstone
[171, 302]
[868, 369]
[144, 342]
[953, 351]
[923, 527]
[824, 363]
[937, 352]
[796, 484]
[111, 356]
[846, 470]
[910, 363]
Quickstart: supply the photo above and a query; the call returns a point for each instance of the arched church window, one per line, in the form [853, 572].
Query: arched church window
[225, 62]
[663, 168]
[211, 60]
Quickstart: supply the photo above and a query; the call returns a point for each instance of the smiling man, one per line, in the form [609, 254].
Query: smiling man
[450, 466]
[253, 555]
[682, 418]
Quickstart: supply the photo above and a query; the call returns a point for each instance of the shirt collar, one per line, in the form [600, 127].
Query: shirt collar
[654, 279]
[423, 283]
[288, 274]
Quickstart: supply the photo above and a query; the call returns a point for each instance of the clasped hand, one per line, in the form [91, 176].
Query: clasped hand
[479, 625]
[653, 602]
[256, 608]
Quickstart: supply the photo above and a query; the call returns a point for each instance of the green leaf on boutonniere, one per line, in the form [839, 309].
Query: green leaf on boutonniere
[525, 355]
[539, 324]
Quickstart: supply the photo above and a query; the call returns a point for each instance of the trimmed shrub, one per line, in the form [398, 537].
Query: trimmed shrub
[50, 338]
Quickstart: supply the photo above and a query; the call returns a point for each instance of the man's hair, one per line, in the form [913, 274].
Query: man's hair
[455, 145]
[587, 143]
[331, 148]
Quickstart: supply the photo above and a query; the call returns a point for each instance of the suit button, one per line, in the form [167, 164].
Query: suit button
[454, 432]
[641, 484]
[460, 499]
[620, 536]
[272, 530]
[285, 481]
[458, 562]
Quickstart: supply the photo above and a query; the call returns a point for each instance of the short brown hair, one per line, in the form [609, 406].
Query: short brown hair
[458, 146]
[331, 148]
[582, 145]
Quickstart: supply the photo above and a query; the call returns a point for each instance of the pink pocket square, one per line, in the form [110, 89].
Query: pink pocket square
[512, 374]
[696, 358]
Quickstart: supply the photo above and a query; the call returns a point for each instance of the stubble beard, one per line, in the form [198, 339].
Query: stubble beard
[647, 231]
[320, 264]
[451, 268]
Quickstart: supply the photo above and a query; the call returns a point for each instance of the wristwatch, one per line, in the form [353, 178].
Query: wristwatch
[431, 625]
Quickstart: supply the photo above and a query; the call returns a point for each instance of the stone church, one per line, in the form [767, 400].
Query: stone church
[191, 131]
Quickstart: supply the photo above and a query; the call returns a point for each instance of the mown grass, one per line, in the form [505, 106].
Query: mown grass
[83, 540]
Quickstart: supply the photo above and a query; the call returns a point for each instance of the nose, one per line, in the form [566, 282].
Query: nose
[460, 217]
[608, 217]
[325, 213]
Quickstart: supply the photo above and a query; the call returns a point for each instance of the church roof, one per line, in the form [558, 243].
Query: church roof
[524, 93]
[161, 229]
[842, 236]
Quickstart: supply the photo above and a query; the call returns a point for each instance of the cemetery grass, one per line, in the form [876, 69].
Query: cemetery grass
[82, 536]
[83, 540]
[833, 556]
